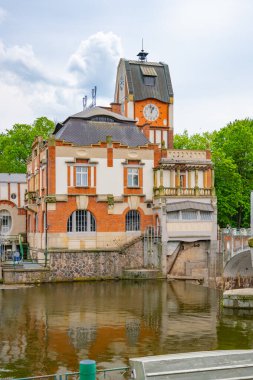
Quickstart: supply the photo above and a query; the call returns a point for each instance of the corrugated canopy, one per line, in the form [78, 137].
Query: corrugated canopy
[189, 205]
[148, 71]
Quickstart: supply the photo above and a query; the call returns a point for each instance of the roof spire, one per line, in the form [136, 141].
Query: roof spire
[142, 54]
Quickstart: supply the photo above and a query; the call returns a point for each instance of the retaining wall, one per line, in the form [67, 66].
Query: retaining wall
[80, 265]
[227, 283]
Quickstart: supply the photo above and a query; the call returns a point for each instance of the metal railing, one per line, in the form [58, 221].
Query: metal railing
[179, 191]
[233, 242]
[100, 374]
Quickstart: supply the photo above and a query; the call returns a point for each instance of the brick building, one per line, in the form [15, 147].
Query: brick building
[90, 183]
[108, 173]
[12, 212]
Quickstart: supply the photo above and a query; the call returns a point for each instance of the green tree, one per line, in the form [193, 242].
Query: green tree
[16, 144]
[236, 142]
[196, 141]
[228, 187]
[232, 155]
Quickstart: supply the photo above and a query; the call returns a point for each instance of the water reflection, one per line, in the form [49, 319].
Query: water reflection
[52, 327]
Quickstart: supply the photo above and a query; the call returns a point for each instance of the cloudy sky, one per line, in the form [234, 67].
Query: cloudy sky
[52, 52]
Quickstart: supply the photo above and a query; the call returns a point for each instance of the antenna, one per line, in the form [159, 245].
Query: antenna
[93, 97]
[94, 94]
[85, 102]
[142, 54]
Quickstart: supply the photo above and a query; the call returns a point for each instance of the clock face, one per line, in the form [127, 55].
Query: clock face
[151, 112]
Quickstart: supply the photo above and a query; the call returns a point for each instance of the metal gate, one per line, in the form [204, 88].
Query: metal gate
[152, 247]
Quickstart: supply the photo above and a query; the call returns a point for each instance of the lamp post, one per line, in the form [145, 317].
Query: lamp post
[1, 253]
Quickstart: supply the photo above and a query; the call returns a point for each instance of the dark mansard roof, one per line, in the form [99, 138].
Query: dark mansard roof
[137, 70]
[94, 125]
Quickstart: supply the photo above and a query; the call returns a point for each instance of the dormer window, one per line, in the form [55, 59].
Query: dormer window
[106, 119]
[149, 75]
[149, 81]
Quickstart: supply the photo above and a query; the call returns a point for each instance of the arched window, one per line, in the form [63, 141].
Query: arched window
[5, 221]
[81, 221]
[133, 221]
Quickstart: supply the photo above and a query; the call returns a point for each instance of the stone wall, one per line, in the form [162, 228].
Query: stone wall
[191, 260]
[227, 283]
[81, 265]
[94, 264]
[26, 276]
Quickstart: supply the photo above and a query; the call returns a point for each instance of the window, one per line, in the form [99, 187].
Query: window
[152, 136]
[81, 176]
[182, 179]
[165, 139]
[132, 177]
[29, 223]
[44, 221]
[133, 221]
[106, 119]
[173, 215]
[205, 215]
[5, 221]
[81, 221]
[189, 215]
[149, 81]
[36, 222]
[158, 137]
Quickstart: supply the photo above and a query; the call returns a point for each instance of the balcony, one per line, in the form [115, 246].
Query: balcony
[183, 192]
[30, 197]
[185, 155]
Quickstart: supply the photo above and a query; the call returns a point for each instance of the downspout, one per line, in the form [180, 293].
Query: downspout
[45, 224]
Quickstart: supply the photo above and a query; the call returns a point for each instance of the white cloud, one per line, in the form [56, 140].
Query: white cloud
[28, 89]
[95, 61]
[20, 63]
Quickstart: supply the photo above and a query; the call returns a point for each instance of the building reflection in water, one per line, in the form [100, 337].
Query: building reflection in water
[52, 327]
[81, 337]
[133, 331]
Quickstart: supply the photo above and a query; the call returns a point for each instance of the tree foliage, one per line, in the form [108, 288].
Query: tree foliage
[196, 141]
[232, 155]
[16, 144]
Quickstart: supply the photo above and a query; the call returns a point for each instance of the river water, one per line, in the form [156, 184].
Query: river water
[50, 328]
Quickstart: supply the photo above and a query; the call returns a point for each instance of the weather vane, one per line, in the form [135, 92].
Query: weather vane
[142, 54]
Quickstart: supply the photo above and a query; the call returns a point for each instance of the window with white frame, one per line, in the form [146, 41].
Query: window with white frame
[206, 215]
[190, 215]
[173, 215]
[133, 220]
[165, 139]
[36, 222]
[81, 221]
[5, 221]
[132, 177]
[81, 176]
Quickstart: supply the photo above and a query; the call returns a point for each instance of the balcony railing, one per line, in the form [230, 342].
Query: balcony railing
[185, 192]
[30, 196]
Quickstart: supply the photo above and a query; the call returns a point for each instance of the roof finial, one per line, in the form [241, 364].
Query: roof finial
[142, 54]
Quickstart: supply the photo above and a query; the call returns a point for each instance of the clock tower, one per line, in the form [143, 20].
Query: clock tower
[144, 92]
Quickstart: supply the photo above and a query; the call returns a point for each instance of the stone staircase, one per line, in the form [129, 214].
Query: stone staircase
[138, 273]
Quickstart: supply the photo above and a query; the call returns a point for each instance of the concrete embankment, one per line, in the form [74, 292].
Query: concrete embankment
[227, 283]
